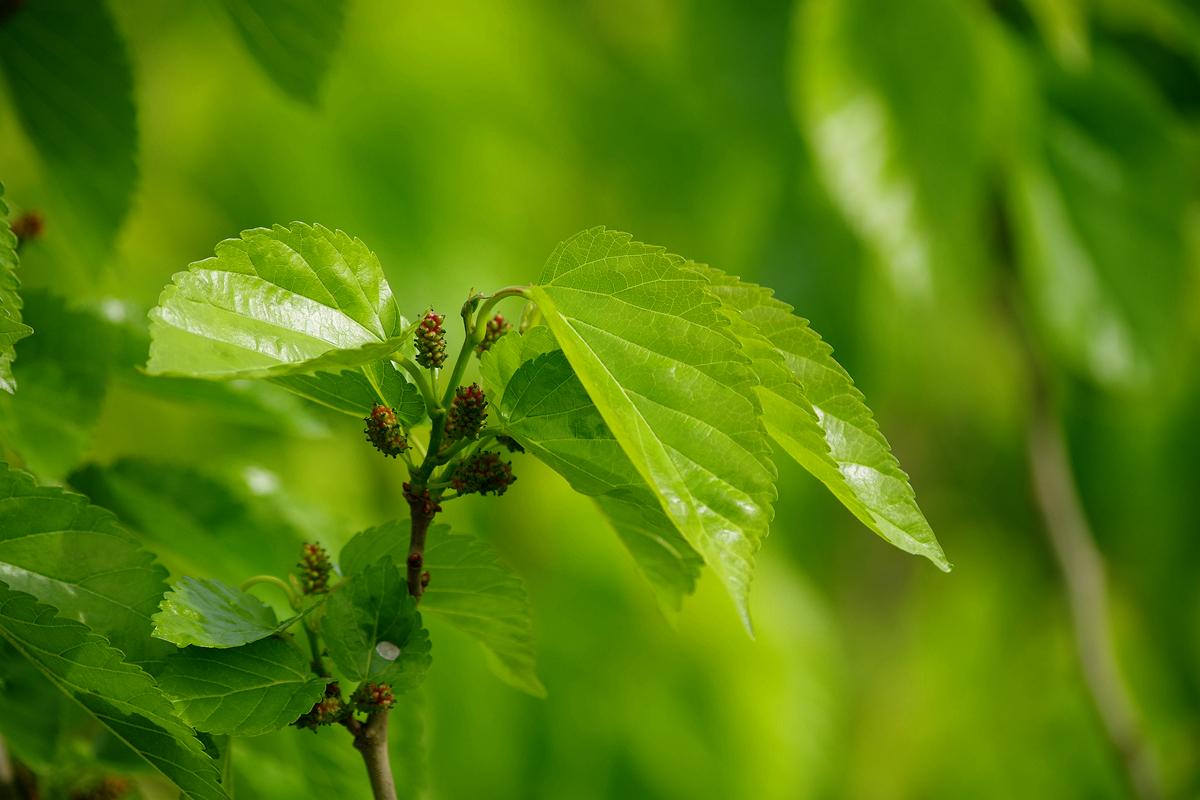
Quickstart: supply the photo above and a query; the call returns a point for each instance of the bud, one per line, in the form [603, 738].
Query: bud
[28, 226]
[497, 326]
[484, 473]
[421, 502]
[371, 697]
[315, 569]
[431, 341]
[383, 430]
[328, 710]
[467, 413]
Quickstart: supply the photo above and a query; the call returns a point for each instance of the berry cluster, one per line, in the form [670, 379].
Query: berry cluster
[431, 340]
[371, 697]
[383, 430]
[497, 326]
[315, 568]
[483, 473]
[467, 413]
[327, 711]
[420, 500]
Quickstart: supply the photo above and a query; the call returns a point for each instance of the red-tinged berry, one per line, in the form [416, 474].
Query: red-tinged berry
[497, 326]
[383, 430]
[371, 697]
[327, 711]
[484, 473]
[467, 413]
[431, 340]
[315, 569]
[421, 501]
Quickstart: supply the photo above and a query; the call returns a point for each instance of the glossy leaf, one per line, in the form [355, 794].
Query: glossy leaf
[12, 330]
[293, 41]
[242, 691]
[122, 697]
[71, 86]
[354, 391]
[208, 613]
[73, 555]
[283, 301]
[812, 408]
[537, 399]
[373, 631]
[469, 588]
[627, 315]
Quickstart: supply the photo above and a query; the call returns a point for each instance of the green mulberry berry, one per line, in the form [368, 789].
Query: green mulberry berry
[371, 697]
[497, 326]
[467, 413]
[315, 568]
[431, 340]
[383, 430]
[327, 711]
[484, 473]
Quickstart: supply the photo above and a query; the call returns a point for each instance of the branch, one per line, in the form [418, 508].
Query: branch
[371, 741]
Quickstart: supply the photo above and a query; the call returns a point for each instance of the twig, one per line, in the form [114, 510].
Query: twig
[370, 740]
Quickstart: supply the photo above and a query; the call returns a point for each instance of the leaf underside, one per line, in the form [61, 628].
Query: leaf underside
[209, 613]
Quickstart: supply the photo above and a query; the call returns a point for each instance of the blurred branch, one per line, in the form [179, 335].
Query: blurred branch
[8, 777]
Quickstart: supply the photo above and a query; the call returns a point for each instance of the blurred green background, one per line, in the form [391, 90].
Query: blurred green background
[929, 182]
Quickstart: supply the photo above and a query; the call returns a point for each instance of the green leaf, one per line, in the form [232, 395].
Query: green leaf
[469, 588]
[354, 391]
[373, 631]
[74, 556]
[898, 138]
[1079, 225]
[72, 89]
[537, 399]
[208, 613]
[283, 301]
[651, 348]
[195, 522]
[812, 408]
[243, 691]
[12, 330]
[292, 40]
[122, 697]
[63, 372]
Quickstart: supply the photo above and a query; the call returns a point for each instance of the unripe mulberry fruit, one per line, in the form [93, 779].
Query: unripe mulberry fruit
[497, 326]
[383, 430]
[467, 413]
[315, 569]
[371, 697]
[328, 710]
[484, 473]
[431, 340]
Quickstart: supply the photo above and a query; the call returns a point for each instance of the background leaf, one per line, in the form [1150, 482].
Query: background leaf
[11, 328]
[242, 691]
[293, 41]
[208, 613]
[73, 555]
[291, 299]
[469, 588]
[120, 696]
[625, 314]
[373, 631]
[72, 88]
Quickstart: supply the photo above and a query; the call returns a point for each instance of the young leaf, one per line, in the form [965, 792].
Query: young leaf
[74, 556]
[373, 631]
[469, 588]
[72, 89]
[813, 410]
[242, 691]
[122, 697]
[12, 330]
[292, 40]
[289, 300]
[208, 613]
[649, 345]
[537, 399]
[354, 391]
